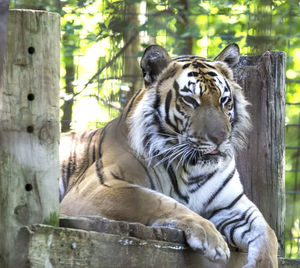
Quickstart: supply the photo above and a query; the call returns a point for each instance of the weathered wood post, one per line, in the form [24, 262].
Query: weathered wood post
[29, 126]
[3, 27]
[262, 164]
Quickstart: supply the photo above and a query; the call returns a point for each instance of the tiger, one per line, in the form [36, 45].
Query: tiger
[169, 159]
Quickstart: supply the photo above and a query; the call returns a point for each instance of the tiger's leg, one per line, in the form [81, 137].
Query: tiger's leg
[245, 227]
[120, 200]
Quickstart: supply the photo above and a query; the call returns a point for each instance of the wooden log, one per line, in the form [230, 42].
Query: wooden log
[29, 126]
[261, 165]
[64, 247]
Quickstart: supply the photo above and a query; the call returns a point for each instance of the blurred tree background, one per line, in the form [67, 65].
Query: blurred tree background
[103, 40]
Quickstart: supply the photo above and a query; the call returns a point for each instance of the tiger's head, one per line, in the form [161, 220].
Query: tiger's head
[190, 111]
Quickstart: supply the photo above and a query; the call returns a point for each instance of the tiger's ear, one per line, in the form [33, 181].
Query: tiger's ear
[230, 55]
[154, 60]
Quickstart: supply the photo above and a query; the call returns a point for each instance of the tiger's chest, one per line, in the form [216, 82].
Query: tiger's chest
[209, 188]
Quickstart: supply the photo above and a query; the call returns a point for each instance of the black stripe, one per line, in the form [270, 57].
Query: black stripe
[249, 229]
[145, 169]
[74, 153]
[99, 166]
[183, 60]
[227, 207]
[155, 121]
[193, 74]
[208, 65]
[123, 179]
[82, 136]
[230, 176]
[233, 221]
[146, 140]
[79, 179]
[227, 88]
[103, 133]
[167, 108]
[190, 100]
[166, 75]
[227, 220]
[197, 64]
[176, 86]
[252, 240]
[200, 181]
[157, 179]
[201, 178]
[186, 66]
[240, 225]
[186, 89]
[119, 119]
[189, 57]
[174, 182]
[92, 134]
[213, 74]
[94, 152]
[64, 178]
[68, 171]
[178, 121]
[70, 166]
[117, 177]
[131, 103]
[179, 110]
[156, 104]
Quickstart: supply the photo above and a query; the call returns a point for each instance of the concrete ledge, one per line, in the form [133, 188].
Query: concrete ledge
[107, 243]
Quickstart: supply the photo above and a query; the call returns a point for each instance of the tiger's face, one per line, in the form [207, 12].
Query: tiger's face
[198, 113]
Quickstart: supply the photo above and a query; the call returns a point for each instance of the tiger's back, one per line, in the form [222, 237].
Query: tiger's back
[80, 151]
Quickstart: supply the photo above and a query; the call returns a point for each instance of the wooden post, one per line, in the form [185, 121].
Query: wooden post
[3, 26]
[262, 164]
[29, 126]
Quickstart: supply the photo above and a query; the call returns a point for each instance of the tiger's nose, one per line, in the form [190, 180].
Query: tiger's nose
[218, 137]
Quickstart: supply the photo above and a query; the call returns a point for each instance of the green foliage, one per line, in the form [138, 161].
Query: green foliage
[53, 219]
[37, 4]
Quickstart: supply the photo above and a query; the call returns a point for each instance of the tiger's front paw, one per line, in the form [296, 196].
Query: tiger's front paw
[205, 237]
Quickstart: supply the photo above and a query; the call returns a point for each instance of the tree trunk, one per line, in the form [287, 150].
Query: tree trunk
[132, 72]
[186, 44]
[69, 90]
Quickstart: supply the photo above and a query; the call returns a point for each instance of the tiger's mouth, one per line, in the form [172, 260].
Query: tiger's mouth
[214, 152]
[210, 157]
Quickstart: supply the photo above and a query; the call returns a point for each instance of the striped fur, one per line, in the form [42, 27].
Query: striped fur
[169, 159]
